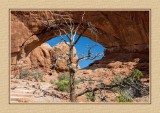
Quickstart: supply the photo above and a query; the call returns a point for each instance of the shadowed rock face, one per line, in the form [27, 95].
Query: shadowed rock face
[125, 31]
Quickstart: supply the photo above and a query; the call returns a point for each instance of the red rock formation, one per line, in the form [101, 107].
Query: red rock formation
[42, 58]
[123, 29]
[38, 58]
[124, 32]
[61, 50]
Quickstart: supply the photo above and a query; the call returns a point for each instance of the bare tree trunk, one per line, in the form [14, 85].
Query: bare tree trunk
[72, 88]
[71, 80]
[65, 24]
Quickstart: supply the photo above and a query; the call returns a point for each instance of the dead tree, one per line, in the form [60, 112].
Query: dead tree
[64, 24]
[68, 27]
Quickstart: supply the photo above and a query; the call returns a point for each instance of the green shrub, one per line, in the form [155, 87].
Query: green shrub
[136, 74]
[124, 99]
[63, 85]
[90, 96]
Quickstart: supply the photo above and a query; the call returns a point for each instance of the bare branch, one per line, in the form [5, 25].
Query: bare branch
[53, 94]
[89, 56]
[79, 24]
[79, 36]
[101, 86]
[62, 38]
[66, 34]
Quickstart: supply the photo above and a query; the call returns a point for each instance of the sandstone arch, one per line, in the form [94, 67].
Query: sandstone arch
[126, 31]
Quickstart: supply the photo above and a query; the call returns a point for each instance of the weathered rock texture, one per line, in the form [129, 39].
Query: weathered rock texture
[59, 57]
[126, 33]
[39, 58]
[44, 57]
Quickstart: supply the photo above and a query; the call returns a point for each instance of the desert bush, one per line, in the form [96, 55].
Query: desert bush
[117, 79]
[124, 99]
[125, 95]
[63, 85]
[24, 74]
[136, 74]
[27, 74]
[37, 75]
[63, 82]
[129, 87]
[90, 96]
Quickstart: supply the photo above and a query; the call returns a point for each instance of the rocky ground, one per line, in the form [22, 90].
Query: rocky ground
[24, 91]
[101, 71]
[27, 91]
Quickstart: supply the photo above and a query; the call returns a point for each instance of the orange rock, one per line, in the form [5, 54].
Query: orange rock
[60, 53]
[128, 42]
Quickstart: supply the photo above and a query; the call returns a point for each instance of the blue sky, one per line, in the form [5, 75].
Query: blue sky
[82, 48]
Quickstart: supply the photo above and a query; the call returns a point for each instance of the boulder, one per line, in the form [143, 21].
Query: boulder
[59, 56]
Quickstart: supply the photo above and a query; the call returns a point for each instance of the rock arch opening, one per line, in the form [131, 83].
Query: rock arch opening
[126, 34]
[82, 48]
[124, 30]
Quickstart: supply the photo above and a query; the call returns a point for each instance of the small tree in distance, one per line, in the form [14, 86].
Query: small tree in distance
[66, 26]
